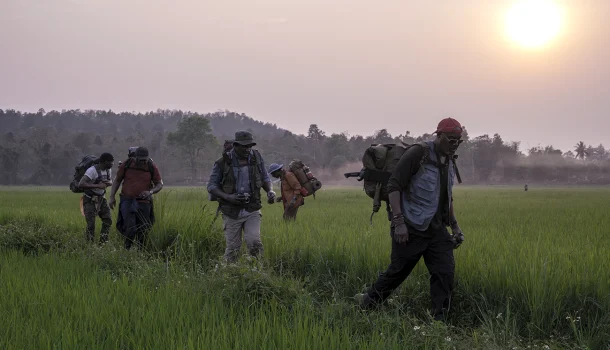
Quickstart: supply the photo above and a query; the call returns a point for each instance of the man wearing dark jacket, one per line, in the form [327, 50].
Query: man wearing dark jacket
[421, 201]
[236, 181]
[141, 179]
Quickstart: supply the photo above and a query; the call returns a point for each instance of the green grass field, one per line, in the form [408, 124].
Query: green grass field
[534, 272]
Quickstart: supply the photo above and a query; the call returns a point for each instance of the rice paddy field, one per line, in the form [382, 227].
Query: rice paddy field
[533, 273]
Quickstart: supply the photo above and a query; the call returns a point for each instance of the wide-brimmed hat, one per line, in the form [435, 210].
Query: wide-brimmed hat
[244, 138]
[275, 167]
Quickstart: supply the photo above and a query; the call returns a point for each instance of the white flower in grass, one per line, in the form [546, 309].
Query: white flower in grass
[448, 339]
[416, 328]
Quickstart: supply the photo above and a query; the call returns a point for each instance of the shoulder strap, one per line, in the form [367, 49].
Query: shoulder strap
[151, 169]
[257, 157]
[455, 168]
[99, 173]
[425, 159]
[225, 164]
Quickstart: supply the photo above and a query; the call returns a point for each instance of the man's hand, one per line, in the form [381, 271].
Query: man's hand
[401, 233]
[112, 202]
[271, 197]
[232, 198]
[145, 195]
[458, 236]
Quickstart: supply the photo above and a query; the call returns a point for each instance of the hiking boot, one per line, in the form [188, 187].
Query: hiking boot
[441, 316]
[365, 301]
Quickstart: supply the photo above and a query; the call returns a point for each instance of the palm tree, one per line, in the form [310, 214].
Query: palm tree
[581, 150]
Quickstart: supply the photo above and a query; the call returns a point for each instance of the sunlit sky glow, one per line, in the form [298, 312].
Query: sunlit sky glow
[353, 66]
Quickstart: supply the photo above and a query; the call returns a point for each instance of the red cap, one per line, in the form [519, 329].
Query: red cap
[449, 125]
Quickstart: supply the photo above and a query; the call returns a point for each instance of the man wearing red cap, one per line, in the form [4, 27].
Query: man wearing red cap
[420, 194]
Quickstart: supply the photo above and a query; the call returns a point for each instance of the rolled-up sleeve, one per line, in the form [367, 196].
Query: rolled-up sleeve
[215, 178]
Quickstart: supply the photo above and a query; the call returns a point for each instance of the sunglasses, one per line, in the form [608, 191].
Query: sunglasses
[453, 141]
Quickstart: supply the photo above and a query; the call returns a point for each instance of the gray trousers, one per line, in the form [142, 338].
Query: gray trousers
[250, 224]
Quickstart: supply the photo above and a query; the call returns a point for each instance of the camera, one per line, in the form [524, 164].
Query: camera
[243, 197]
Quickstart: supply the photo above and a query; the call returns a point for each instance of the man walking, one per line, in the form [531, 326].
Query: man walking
[141, 179]
[292, 191]
[236, 181]
[94, 183]
[420, 194]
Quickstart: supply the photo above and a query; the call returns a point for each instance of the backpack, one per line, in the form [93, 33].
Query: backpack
[80, 169]
[305, 177]
[149, 162]
[379, 161]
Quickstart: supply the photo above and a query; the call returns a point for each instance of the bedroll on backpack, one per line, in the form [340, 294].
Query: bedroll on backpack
[305, 177]
[80, 169]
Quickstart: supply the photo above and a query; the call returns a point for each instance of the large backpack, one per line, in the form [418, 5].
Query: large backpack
[80, 170]
[305, 177]
[151, 169]
[379, 161]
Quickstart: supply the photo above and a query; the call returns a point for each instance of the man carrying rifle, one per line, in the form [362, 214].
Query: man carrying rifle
[236, 181]
[421, 203]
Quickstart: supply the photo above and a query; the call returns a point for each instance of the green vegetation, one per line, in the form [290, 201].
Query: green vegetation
[534, 271]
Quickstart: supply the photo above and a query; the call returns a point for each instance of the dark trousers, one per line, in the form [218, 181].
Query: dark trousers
[290, 211]
[437, 249]
[93, 207]
[137, 222]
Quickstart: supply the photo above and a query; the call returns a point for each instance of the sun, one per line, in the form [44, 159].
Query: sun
[533, 24]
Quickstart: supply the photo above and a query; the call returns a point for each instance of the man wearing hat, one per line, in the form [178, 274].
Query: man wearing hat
[292, 191]
[141, 179]
[236, 181]
[420, 194]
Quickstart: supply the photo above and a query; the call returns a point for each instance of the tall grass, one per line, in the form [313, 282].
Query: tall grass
[534, 268]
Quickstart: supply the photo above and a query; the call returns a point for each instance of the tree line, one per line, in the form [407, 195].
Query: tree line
[42, 148]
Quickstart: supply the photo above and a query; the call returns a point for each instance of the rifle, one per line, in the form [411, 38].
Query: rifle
[358, 174]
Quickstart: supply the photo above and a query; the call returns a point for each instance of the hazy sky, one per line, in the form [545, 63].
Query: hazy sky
[347, 65]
